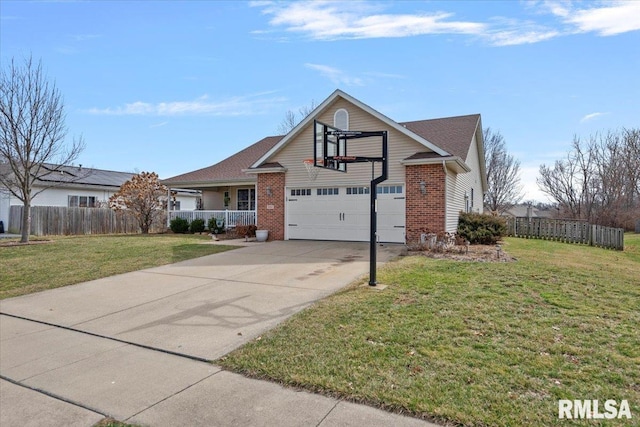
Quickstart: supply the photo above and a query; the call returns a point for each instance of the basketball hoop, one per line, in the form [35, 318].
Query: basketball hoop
[311, 169]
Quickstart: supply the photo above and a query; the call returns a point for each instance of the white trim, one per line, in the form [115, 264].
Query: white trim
[335, 124]
[264, 170]
[338, 93]
[456, 162]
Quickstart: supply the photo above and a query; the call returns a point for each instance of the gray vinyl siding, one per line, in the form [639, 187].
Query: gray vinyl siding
[458, 184]
[400, 147]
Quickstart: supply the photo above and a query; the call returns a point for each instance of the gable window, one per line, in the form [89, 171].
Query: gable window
[246, 199]
[341, 119]
[82, 201]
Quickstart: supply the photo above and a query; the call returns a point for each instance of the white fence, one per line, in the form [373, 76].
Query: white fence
[231, 218]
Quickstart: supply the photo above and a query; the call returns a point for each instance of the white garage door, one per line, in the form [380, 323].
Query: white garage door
[342, 213]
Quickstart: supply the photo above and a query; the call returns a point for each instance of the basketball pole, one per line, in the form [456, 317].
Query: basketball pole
[336, 157]
[373, 223]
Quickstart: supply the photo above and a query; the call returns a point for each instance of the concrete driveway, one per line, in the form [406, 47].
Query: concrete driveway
[133, 346]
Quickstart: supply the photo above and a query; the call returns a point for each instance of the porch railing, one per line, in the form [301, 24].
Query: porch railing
[231, 218]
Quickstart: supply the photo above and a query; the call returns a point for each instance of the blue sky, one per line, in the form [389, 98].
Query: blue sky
[175, 86]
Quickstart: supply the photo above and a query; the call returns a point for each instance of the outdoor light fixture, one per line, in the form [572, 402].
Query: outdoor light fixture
[269, 192]
[423, 187]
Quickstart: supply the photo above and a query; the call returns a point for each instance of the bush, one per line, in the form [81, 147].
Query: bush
[212, 224]
[179, 225]
[197, 225]
[481, 228]
[246, 230]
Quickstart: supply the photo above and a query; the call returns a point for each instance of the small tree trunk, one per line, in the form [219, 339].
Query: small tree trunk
[26, 222]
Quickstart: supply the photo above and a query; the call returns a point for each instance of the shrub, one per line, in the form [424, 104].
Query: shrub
[197, 225]
[179, 225]
[212, 224]
[480, 228]
[246, 230]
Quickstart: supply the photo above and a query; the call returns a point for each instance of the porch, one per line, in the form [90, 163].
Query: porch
[231, 218]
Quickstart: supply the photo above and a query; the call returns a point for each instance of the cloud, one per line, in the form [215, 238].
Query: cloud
[237, 106]
[615, 18]
[157, 125]
[333, 20]
[337, 77]
[591, 116]
[330, 20]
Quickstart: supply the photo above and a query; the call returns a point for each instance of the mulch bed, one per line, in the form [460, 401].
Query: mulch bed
[476, 253]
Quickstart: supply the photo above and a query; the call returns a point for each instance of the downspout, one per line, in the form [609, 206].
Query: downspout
[446, 175]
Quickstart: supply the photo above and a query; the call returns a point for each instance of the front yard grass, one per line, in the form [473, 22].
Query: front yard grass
[68, 260]
[472, 343]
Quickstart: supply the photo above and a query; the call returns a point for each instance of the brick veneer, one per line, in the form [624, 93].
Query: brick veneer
[425, 212]
[271, 219]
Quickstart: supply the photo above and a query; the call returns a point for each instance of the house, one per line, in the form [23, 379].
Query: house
[530, 211]
[78, 186]
[436, 170]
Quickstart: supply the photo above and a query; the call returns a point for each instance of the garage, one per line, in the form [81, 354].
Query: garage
[342, 213]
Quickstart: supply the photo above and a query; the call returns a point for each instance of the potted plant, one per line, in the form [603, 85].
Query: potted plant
[262, 235]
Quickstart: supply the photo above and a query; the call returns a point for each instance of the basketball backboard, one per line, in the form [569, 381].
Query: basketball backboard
[328, 143]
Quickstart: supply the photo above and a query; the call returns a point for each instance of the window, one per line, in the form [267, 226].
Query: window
[226, 199]
[300, 191]
[328, 191]
[82, 202]
[471, 200]
[357, 190]
[175, 205]
[389, 189]
[246, 199]
[341, 119]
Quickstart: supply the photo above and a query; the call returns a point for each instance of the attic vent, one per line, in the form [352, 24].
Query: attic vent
[341, 119]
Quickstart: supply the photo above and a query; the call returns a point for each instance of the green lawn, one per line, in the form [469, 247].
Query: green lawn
[472, 343]
[69, 260]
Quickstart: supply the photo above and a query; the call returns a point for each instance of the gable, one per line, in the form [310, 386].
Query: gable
[300, 147]
[318, 112]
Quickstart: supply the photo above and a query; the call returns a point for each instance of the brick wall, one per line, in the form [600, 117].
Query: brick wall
[425, 212]
[271, 208]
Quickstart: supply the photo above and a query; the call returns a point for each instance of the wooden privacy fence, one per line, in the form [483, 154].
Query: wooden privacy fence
[569, 231]
[56, 220]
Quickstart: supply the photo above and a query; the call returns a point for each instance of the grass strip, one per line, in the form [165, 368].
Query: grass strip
[472, 343]
[69, 260]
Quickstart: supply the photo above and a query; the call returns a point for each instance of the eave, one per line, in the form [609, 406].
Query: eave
[453, 163]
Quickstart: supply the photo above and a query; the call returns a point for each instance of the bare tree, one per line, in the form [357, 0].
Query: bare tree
[32, 134]
[144, 197]
[599, 180]
[292, 119]
[503, 174]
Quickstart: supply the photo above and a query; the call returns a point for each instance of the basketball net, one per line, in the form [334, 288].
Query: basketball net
[311, 169]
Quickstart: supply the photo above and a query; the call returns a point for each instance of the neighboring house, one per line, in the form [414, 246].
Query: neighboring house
[436, 170]
[77, 186]
[4, 208]
[530, 211]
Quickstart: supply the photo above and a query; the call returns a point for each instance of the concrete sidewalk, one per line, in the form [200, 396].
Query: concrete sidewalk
[134, 346]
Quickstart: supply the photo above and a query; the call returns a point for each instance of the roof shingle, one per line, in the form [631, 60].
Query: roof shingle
[453, 134]
[229, 169]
